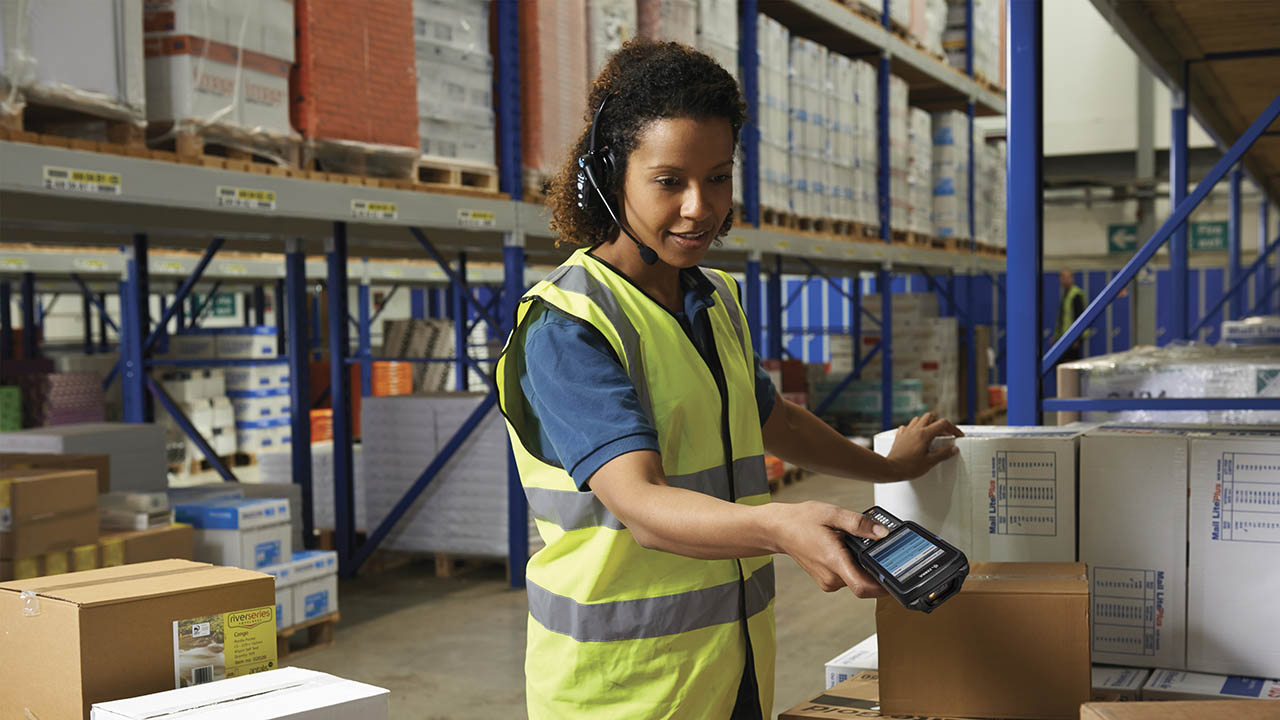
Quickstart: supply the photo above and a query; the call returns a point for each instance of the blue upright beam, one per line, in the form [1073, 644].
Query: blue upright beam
[751, 290]
[30, 328]
[1263, 286]
[1178, 267]
[340, 400]
[133, 332]
[188, 428]
[103, 320]
[364, 335]
[884, 279]
[259, 305]
[855, 320]
[1233, 239]
[507, 96]
[6, 320]
[460, 323]
[773, 309]
[517, 504]
[1148, 250]
[884, 283]
[1237, 285]
[86, 316]
[1025, 106]
[282, 326]
[749, 62]
[292, 303]
[184, 290]
[417, 303]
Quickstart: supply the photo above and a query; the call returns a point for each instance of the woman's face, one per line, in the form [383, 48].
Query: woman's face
[678, 188]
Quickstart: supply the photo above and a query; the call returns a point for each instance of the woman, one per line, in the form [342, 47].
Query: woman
[639, 417]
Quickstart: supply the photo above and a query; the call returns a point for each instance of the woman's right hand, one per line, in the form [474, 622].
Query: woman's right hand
[810, 532]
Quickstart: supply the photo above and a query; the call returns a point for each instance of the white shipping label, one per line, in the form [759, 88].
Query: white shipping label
[1023, 494]
[1246, 501]
[370, 210]
[476, 219]
[245, 198]
[89, 181]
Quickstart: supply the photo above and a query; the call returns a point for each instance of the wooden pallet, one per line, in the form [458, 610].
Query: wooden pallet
[989, 250]
[777, 218]
[191, 465]
[84, 126]
[227, 148]
[441, 172]
[313, 635]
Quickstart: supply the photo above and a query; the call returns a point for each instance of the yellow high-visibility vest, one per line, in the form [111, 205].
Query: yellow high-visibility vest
[616, 630]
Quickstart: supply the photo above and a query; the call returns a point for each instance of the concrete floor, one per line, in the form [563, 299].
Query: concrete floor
[454, 647]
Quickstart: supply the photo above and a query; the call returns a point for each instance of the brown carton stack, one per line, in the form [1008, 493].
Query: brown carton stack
[48, 521]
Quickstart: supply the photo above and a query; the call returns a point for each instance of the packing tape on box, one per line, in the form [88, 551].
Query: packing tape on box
[30, 603]
[123, 578]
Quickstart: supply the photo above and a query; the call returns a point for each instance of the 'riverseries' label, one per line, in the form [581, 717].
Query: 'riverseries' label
[216, 647]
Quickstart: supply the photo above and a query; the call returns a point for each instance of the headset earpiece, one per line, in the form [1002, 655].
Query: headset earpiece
[596, 168]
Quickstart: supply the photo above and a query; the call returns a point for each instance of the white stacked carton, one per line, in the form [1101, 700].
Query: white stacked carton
[919, 172]
[774, 110]
[670, 20]
[928, 23]
[925, 348]
[986, 38]
[1008, 496]
[243, 533]
[1175, 685]
[988, 200]
[306, 587]
[863, 656]
[718, 37]
[455, 80]
[1118, 684]
[843, 151]
[866, 189]
[899, 155]
[610, 23]
[464, 509]
[810, 128]
[277, 467]
[951, 174]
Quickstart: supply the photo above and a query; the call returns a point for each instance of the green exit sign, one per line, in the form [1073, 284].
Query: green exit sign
[224, 304]
[1122, 238]
[1209, 236]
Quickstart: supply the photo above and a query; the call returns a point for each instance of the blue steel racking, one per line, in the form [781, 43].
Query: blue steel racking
[1026, 367]
[175, 206]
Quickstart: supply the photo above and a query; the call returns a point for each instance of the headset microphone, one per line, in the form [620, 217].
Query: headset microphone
[595, 168]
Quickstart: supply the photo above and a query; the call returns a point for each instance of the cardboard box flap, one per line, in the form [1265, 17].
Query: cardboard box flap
[1017, 577]
[1180, 710]
[131, 582]
[43, 492]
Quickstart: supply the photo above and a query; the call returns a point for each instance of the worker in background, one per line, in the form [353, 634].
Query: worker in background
[1070, 306]
[639, 417]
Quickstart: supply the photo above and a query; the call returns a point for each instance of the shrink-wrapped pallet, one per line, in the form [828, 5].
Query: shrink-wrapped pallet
[920, 173]
[553, 83]
[675, 20]
[773, 112]
[610, 23]
[455, 80]
[899, 155]
[951, 174]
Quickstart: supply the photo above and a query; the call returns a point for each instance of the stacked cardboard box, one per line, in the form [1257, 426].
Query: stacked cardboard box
[951, 174]
[1256, 330]
[553, 82]
[277, 468]
[44, 516]
[202, 396]
[120, 632]
[1118, 684]
[718, 37]
[103, 78]
[866, 132]
[925, 347]
[671, 20]
[989, 200]
[899, 155]
[920, 172]
[222, 69]
[928, 23]
[170, 541]
[243, 533]
[810, 128]
[455, 80]
[842, 107]
[1174, 685]
[860, 658]
[65, 399]
[773, 112]
[306, 587]
[136, 450]
[10, 408]
[987, 31]
[464, 509]
[100, 364]
[355, 100]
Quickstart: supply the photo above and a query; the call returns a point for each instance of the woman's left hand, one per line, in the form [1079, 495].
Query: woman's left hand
[911, 456]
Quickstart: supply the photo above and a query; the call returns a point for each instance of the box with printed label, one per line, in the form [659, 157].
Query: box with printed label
[1013, 643]
[1234, 534]
[292, 693]
[255, 436]
[315, 598]
[43, 511]
[260, 404]
[241, 533]
[99, 464]
[1177, 685]
[258, 377]
[860, 657]
[306, 586]
[1134, 479]
[1010, 494]
[857, 697]
[1118, 684]
[255, 341]
[72, 640]
[174, 541]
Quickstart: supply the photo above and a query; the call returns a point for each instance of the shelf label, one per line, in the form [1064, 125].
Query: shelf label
[90, 264]
[783, 244]
[822, 249]
[170, 266]
[13, 263]
[89, 181]
[370, 210]
[247, 198]
[234, 269]
[476, 218]
[738, 239]
[392, 272]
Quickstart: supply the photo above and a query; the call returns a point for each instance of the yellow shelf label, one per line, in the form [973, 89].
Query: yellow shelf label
[783, 244]
[234, 269]
[77, 180]
[392, 272]
[90, 264]
[477, 218]
[738, 239]
[370, 210]
[820, 248]
[175, 267]
[13, 263]
[245, 198]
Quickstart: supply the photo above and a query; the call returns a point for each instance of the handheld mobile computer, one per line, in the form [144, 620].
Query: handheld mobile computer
[917, 567]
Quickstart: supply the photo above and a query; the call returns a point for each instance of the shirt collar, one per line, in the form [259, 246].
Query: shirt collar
[699, 292]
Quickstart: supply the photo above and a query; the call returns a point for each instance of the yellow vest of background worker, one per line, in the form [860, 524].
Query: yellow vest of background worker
[617, 630]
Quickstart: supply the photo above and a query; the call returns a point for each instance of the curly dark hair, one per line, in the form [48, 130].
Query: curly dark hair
[648, 81]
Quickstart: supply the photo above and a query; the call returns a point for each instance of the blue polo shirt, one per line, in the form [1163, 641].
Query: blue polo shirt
[588, 410]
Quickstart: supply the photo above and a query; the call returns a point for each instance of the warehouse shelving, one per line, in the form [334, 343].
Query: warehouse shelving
[1225, 99]
[163, 220]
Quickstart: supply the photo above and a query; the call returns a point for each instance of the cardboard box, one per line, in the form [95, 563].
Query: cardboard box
[861, 657]
[314, 599]
[308, 583]
[857, 697]
[176, 541]
[1118, 684]
[99, 464]
[1220, 710]
[1133, 479]
[136, 451]
[1177, 685]
[1010, 495]
[70, 641]
[292, 693]
[1234, 536]
[249, 534]
[46, 511]
[1014, 643]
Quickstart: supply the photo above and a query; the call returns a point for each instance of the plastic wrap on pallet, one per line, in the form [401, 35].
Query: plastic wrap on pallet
[774, 43]
[866, 142]
[455, 80]
[1257, 330]
[718, 37]
[920, 172]
[987, 33]
[1182, 371]
[610, 23]
[221, 70]
[356, 78]
[553, 82]
[951, 174]
[899, 154]
[103, 77]
[900, 12]
[810, 128]
[928, 23]
[842, 150]
[674, 20]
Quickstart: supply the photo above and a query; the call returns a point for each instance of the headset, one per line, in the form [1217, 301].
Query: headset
[596, 168]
